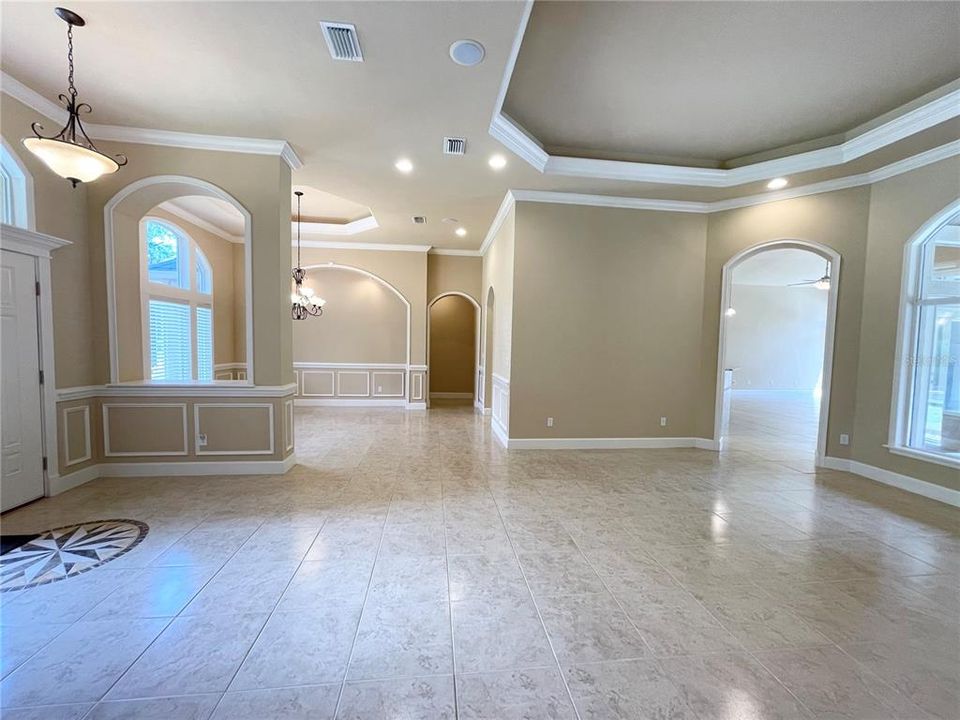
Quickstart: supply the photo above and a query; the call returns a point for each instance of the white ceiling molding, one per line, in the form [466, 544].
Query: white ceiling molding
[144, 136]
[455, 253]
[505, 206]
[350, 228]
[519, 141]
[171, 207]
[334, 245]
[914, 162]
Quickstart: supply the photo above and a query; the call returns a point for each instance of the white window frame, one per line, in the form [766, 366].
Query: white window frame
[903, 406]
[167, 293]
[19, 200]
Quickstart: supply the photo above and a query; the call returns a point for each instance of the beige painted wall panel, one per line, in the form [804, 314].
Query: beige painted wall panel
[77, 440]
[155, 429]
[837, 220]
[498, 274]
[363, 321]
[452, 345]
[61, 211]
[234, 428]
[405, 271]
[318, 382]
[898, 208]
[606, 306]
[454, 273]
[387, 383]
[353, 383]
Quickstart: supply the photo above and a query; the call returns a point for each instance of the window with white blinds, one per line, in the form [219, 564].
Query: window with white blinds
[177, 304]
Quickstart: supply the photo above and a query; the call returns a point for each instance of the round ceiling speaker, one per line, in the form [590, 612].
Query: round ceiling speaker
[467, 52]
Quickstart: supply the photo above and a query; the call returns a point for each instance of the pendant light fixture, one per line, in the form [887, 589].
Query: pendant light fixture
[305, 302]
[70, 153]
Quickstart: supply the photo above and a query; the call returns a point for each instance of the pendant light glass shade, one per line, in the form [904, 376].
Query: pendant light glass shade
[71, 161]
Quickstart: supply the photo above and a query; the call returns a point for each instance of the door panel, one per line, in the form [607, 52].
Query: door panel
[21, 446]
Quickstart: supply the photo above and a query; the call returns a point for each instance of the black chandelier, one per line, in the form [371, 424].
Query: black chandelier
[305, 302]
[70, 153]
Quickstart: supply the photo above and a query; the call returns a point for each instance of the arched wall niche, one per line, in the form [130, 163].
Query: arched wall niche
[450, 383]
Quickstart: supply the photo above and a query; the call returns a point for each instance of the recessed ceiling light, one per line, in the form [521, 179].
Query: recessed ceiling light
[461, 232]
[403, 165]
[777, 184]
[497, 162]
[467, 52]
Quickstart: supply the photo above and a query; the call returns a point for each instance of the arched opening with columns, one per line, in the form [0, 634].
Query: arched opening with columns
[774, 368]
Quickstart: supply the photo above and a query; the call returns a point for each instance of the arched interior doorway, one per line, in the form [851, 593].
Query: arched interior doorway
[487, 384]
[777, 321]
[453, 339]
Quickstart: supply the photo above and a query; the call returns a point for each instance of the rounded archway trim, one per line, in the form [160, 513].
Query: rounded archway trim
[109, 253]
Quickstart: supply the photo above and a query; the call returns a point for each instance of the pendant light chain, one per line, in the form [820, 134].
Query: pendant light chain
[70, 85]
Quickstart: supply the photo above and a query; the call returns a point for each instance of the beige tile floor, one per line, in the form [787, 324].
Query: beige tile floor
[410, 568]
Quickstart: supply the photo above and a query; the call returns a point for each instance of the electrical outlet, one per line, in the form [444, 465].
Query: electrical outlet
[663, 421]
[844, 439]
[549, 422]
[379, 388]
[202, 439]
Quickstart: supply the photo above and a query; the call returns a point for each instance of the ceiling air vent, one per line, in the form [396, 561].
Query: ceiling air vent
[342, 41]
[419, 220]
[454, 146]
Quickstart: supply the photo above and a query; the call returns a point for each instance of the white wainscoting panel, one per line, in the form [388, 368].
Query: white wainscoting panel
[108, 451]
[268, 448]
[84, 410]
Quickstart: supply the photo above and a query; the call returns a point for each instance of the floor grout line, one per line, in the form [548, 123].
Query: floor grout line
[453, 642]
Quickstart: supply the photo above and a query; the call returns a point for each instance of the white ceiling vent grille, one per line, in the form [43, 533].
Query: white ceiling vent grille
[342, 41]
[454, 146]
[419, 220]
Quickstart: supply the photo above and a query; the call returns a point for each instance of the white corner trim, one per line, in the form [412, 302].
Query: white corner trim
[604, 443]
[171, 207]
[416, 405]
[455, 253]
[505, 206]
[319, 228]
[382, 247]
[914, 162]
[144, 136]
[888, 477]
[29, 242]
[186, 469]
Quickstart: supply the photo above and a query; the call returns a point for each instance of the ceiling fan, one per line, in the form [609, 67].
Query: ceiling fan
[821, 283]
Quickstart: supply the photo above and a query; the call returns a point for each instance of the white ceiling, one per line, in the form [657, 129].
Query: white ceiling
[780, 267]
[262, 69]
[709, 82]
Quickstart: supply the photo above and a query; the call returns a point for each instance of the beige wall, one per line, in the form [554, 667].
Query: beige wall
[453, 325]
[498, 274]
[607, 306]
[837, 220]
[405, 271]
[454, 273]
[363, 321]
[61, 211]
[898, 208]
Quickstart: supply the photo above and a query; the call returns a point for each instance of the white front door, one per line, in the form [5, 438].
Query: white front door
[21, 446]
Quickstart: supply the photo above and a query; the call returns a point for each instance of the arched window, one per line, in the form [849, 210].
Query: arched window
[177, 305]
[16, 190]
[928, 417]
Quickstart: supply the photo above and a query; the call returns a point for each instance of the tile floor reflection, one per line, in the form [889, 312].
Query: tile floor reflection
[409, 567]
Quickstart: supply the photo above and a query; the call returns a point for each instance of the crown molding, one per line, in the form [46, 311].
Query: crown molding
[943, 152]
[29, 242]
[522, 143]
[171, 207]
[335, 245]
[350, 228]
[455, 253]
[506, 205]
[145, 136]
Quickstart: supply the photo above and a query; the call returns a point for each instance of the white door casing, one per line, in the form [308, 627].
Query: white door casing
[21, 447]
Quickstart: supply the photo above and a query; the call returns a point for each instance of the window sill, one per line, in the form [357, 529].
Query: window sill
[930, 457]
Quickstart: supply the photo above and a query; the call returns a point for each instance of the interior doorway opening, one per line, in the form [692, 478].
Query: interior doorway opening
[453, 340]
[776, 346]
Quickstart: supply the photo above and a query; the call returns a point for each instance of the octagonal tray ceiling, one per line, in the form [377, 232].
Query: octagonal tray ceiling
[706, 84]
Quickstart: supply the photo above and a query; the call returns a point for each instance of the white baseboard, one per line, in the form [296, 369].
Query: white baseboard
[607, 443]
[422, 405]
[62, 483]
[351, 402]
[451, 395]
[499, 432]
[888, 477]
[707, 444]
